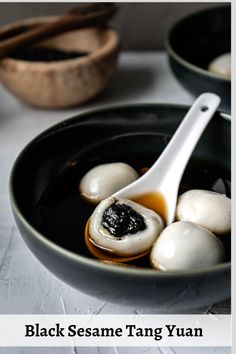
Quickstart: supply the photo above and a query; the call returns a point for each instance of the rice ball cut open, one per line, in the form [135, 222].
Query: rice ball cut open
[123, 227]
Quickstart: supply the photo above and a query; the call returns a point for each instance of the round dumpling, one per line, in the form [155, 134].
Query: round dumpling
[123, 227]
[104, 180]
[184, 245]
[206, 208]
[221, 65]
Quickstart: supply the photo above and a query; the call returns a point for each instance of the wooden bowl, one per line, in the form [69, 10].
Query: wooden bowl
[62, 83]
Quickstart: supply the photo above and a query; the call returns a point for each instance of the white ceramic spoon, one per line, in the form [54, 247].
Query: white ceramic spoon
[165, 175]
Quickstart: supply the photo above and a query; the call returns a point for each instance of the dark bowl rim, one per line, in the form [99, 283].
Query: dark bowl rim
[181, 60]
[93, 263]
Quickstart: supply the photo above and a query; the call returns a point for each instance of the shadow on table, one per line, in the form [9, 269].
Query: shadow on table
[128, 84]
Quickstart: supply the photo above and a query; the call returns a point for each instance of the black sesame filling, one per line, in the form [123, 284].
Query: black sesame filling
[45, 54]
[121, 219]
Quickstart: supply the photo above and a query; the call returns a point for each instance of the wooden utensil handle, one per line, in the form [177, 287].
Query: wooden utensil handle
[66, 23]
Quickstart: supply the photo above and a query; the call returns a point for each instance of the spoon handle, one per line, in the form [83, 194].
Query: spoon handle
[172, 162]
[165, 175]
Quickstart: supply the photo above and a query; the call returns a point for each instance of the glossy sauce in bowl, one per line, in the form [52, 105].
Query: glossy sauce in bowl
[62, 213]
[51, 214]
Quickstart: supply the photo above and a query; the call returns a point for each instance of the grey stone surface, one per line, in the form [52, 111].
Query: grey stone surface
[115, 350]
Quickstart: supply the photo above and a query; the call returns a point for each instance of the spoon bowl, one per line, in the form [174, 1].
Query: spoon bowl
[164, 177]
[142, 131]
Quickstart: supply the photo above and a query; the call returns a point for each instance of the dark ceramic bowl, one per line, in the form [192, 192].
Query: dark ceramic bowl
[192, 43]
[138, 130]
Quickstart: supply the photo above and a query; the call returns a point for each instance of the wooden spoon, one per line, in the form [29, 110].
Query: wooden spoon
[79, 17]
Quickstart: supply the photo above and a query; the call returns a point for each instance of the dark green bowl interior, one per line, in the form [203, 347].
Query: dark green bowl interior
[200, 38]
[123, 134]
[192, 43]
[107, 135]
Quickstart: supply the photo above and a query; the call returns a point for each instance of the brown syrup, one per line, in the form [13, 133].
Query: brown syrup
[154, 201]
[62, 213]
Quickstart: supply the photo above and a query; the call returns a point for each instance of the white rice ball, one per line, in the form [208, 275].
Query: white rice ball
[206, 208]
[184, 245]
[104, 180]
